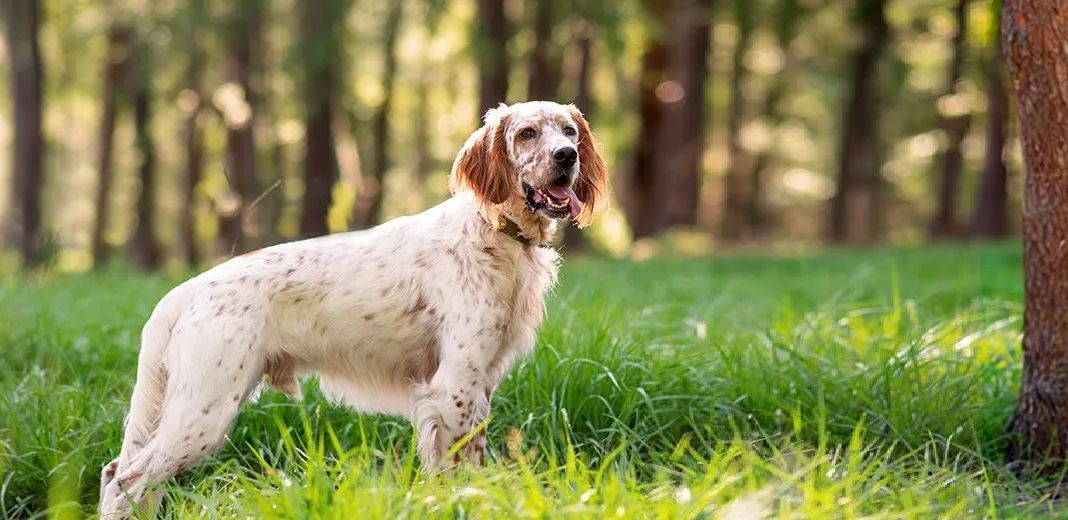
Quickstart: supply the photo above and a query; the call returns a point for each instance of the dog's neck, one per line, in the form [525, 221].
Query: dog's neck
[538, 229]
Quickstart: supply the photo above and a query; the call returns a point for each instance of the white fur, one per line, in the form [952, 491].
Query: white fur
[420, 317]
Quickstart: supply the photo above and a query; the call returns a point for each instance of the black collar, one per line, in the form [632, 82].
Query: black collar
[510, 228]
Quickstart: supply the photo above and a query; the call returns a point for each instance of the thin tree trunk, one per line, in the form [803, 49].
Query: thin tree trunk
[575, 239]
[734, 192]
[991, 213]
[681, 142]
[543, 78]
[491, 49]
[954, 127]
[320, 160]
[1034, 33]
[116, 83]
[368, 208]
[858, 154]
[192, 134]
[787, 18]
[243, 185]
[146, 248]
[24, 57]
[642, 203]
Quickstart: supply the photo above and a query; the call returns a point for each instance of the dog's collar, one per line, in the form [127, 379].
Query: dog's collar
[509, 227]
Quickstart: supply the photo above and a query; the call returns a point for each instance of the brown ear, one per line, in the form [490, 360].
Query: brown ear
[592, 185]
[482, 166]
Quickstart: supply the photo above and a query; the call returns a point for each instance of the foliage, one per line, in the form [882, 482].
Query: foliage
[846, 384]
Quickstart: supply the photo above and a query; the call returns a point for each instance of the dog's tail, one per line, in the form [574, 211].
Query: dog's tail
[150, 389]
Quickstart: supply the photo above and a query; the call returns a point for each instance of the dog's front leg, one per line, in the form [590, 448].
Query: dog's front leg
[456, 400]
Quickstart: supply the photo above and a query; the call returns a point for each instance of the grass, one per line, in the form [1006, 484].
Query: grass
[847, 384]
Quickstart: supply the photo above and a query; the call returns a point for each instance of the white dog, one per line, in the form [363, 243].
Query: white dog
[420, 317]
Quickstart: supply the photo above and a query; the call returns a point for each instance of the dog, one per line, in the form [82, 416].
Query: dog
[420, 317]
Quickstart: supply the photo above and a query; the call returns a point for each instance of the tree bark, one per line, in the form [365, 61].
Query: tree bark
[734, 192]
[1034, 33]
[24, 57]
[991, 213]
[641, 194]
[320, 33]
[954, 128]
[367, 211]
[681, 142]
[491, 49]
[242, 183]
[116, 83]
[146, 248]
[544, 65]
[858, 150]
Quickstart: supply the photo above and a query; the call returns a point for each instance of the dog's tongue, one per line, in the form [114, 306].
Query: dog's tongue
[561, 193]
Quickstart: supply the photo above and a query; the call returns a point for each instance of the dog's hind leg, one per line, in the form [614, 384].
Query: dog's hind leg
[208, 381]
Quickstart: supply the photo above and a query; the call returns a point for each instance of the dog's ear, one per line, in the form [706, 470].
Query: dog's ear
[592, 185]
[482, 165]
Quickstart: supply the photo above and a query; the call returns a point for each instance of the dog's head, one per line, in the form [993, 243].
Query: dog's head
[540, 153]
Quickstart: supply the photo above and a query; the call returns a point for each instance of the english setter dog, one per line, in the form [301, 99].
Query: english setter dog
[419, 317]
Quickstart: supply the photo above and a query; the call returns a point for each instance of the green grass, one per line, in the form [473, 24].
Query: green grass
[842, 385]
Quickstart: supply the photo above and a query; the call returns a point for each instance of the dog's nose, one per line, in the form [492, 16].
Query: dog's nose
[565, 156]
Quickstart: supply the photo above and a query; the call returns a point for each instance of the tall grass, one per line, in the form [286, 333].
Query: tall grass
[842, 385]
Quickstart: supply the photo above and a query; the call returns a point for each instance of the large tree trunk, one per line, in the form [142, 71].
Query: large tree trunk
[146, 248]
[787, 17]
[681, 142]
[367, 211]
[734, 192]
[319, 27]
[116, 83]
[991, 209]
[491, 48]
[240, 115]
[192, 134]
[544, 63]
[24, 57]
[640, 194]
[954, 128]
[858, 161]
[1034, 33]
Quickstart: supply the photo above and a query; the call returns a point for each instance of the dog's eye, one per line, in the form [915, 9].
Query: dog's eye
[527, 133]
[570, 131]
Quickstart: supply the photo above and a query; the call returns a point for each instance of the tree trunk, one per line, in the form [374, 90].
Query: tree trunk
[954, 128]
[641, 195]
[681, 143]
[491, 50]
[192, 133]
[787, 18]
[367, 211]
[574, 238]
[991, 213]
[116, 83]
[858, 152]
[146, 248]
[239, 116]
[320, 38]
[544, 69]
[734, 192]
[24, 57]
[1034, 33]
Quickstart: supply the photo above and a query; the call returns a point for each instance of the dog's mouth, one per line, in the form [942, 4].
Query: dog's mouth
[554, 201]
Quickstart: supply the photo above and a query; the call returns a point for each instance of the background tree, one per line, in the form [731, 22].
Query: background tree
[991, 207]
[858, 161]
[544, 61]
[954, 122]
[1034, 33]
[117, 80]
[320, 42]
[492, 33]
[191, 101]
[734, 186]
[145, 246]
[23, 23]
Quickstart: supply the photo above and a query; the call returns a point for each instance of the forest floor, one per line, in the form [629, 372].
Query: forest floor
[842, 384]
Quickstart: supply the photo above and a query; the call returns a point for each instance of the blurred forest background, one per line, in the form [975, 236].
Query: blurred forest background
[174, 133]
